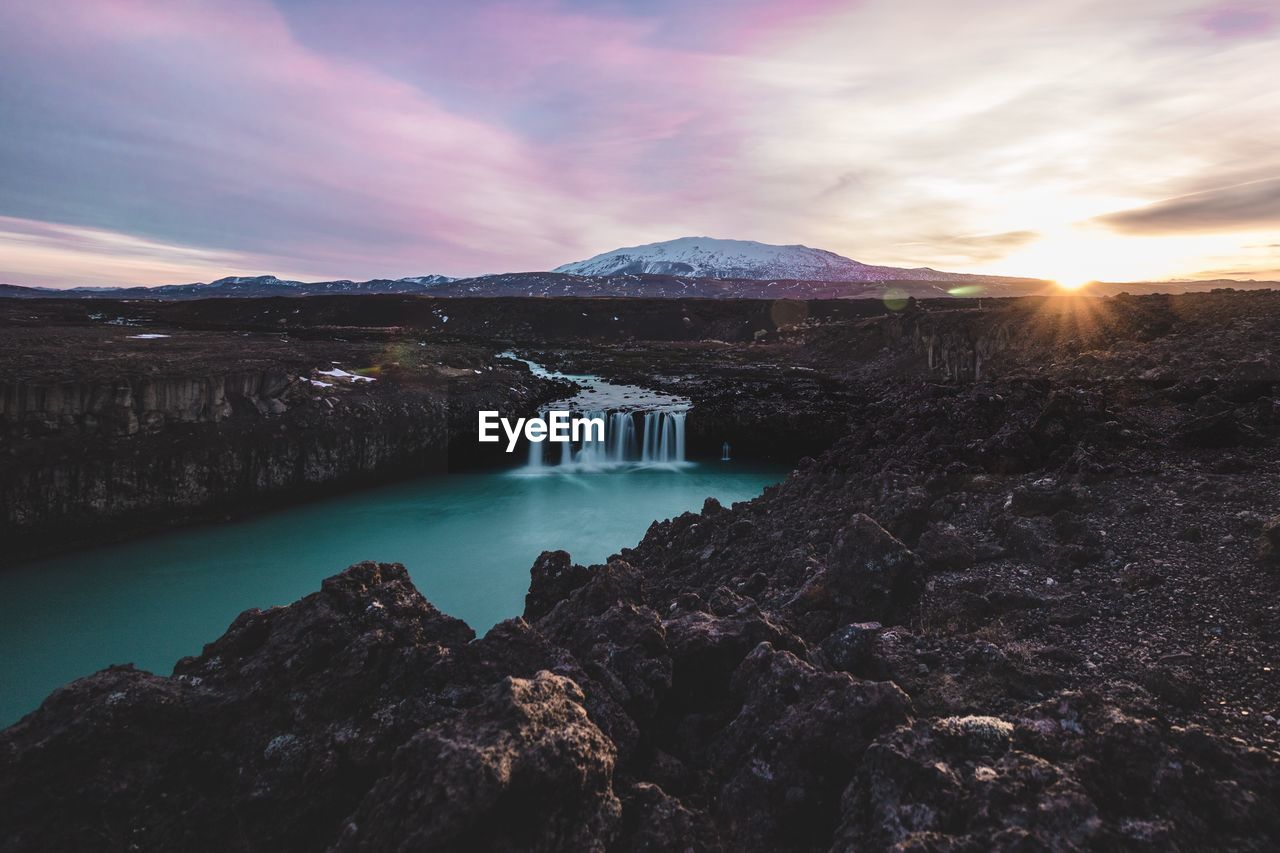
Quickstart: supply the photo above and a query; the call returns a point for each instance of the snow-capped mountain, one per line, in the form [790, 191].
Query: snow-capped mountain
[258, 280]
[707, 257]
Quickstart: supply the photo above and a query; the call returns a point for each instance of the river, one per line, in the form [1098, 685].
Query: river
[467, 539]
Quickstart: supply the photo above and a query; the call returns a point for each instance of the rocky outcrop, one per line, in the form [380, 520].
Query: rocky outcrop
[959, 353]
[867, 573]
[783, 761]
[525, 769]
[361, 718]
[1269, 542]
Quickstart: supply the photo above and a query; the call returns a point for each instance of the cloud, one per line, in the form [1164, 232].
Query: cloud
[971, 249]
[1251, 274]
[1249, 206]
[1241, 20]
[210, 125]
[55, 254]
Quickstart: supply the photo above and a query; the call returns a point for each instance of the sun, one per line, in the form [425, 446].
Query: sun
[1077, 258]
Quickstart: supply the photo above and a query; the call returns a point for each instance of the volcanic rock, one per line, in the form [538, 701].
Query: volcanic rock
[1269, 541]
[524, 769]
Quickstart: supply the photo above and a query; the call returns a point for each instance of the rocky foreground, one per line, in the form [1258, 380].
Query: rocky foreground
[1030, 600]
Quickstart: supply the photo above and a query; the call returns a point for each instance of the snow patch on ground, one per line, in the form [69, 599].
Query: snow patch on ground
[339, 373]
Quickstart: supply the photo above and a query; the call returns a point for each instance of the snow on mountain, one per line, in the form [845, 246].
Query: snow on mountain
[707, 257]
[427, 279]
[270, 282]
[260, 280]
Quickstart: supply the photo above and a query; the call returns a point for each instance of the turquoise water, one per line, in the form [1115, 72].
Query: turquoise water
[467, 539]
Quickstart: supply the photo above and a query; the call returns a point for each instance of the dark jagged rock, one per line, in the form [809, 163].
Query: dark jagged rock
[868, 573]
[1223, 429]
[782, 762]
[620, 645]
[942, 547]
[850, 648]
[553, 576]
[1045, 497]
[657, 822]
[1269, 542]
[266, 739]
[523, 770]
[954, 784]
[1040, 783]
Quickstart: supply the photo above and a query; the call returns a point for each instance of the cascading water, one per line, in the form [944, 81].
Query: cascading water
[644, 437]
[641, 426]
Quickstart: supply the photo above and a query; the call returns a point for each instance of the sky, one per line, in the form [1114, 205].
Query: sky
[169, 141]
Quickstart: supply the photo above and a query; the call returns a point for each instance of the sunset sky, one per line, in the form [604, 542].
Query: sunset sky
[160, 141]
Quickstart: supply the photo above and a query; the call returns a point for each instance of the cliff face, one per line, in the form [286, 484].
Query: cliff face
[139, 404]
[961, 354]
[155, 442]
[154, 476]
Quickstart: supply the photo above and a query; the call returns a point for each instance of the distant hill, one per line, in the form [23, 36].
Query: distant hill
[700, 267]
[235, 286]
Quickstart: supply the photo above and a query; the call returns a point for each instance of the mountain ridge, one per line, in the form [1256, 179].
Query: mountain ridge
[699, 267]
[234, 286]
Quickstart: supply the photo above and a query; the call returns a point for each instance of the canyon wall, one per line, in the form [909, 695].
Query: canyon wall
[130, 405]
[92, 461]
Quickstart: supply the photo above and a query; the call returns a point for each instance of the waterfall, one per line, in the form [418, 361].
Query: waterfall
[655, 437]
[650, 441]
[621, 431]
[535, 454]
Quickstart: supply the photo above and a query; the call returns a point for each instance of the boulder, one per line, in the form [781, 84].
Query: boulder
[553, 576]
[943, 548]
[850, 647]
[868, 575]
[798, 738]
[524, 770]
[1268, 548]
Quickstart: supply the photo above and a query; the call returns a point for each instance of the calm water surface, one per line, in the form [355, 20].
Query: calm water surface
[467, 539]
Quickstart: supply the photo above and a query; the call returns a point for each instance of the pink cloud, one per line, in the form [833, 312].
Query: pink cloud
[265, 122]
[1241, 21]
[53, 254]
